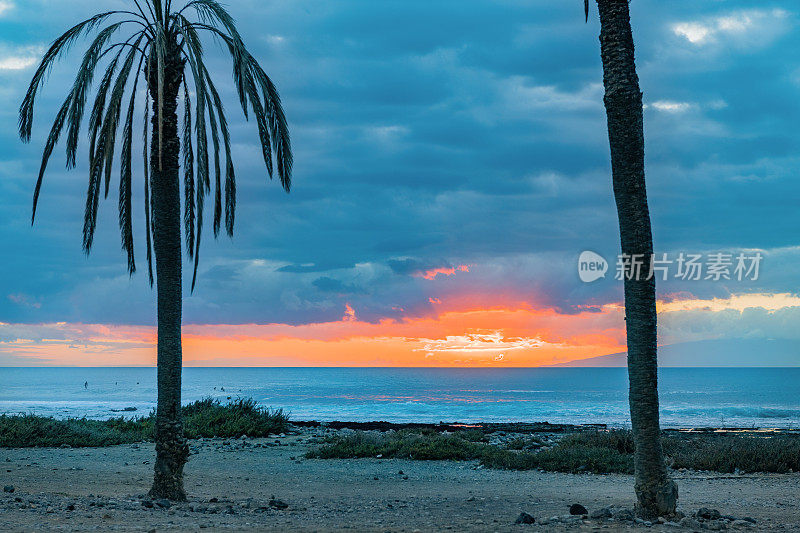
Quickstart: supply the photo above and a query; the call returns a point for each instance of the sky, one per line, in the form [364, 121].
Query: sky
[451, 165]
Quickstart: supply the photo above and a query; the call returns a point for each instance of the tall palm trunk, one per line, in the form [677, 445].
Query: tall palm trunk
[656, 493]
[171, 447]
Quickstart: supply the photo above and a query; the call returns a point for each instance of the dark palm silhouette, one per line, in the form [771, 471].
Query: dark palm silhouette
[656, 493]
[157, 44]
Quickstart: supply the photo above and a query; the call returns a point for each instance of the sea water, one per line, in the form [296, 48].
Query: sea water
[689, 397]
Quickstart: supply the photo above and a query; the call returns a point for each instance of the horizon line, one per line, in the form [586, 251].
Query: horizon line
[557, 366]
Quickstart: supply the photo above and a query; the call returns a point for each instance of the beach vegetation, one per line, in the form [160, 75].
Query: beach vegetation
[402, 444]
[205, 418]
[597, 452]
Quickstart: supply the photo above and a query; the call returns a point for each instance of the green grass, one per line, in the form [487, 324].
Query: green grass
[22, 431]
[729, 453]
[204, 418]
[403, 444]
[597, 452]
[574, 459]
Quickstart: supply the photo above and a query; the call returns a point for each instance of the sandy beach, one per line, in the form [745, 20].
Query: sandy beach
[232, 482]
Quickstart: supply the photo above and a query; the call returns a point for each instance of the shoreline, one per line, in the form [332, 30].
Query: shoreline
[528, 427]
[131, 413]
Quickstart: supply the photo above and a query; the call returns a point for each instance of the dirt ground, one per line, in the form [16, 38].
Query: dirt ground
[231, 482]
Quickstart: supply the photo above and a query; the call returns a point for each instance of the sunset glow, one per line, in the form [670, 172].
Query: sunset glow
[509, 335]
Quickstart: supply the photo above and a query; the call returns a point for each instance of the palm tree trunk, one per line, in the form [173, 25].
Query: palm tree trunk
[656, 493]
[171, 447]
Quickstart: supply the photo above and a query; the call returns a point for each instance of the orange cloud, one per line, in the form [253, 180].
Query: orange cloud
[463, 333]
[511, 335]
[349, 313]
[447, 271]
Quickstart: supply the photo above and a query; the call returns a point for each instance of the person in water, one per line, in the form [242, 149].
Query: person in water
[85, 384]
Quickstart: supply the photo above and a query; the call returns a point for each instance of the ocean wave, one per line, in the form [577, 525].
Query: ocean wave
[733, 412]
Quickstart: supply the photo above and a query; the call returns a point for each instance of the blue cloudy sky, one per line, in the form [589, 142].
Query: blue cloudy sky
[431, 135]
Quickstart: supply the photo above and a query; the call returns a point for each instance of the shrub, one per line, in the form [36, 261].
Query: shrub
[403, 444]
[210, 418]
[204, 418]
[22, 431]
[729, 453]
[597, 452]
[570, 458]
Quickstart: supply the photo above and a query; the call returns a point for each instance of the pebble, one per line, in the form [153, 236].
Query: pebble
[690, 523]
[708, 514]
[577, 509]
[524, 518]
[624, 515]
[278, 504]
[605, 512]
[163, 503]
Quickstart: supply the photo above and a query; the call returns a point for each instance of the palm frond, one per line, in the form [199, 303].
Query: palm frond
[195, 60]
[210, 11]
[230, 174]
[230, 199]
[202, 169]
[159, 11]
[223, 129]
[147, 20]
[114, 110]
[194, 56]
[261, 120]
[215, 140]
[59, 122]
[161, 53]
[148, 227]
[200, 204]
[188, 173]
[202, 139]
[229, 170]
[126, 172]
[52, 140]
[59, 46]
[104, 154]
[169, 36]
[246, 70]
[96, 116]
[279, 129]
[83, 82]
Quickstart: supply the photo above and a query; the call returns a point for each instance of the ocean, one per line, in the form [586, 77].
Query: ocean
[689, 397]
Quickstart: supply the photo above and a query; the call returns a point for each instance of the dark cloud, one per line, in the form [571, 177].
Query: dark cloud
[326, 284]
[414, 267]
[429, 135]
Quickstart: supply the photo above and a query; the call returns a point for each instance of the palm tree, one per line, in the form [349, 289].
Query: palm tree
[157, 44]
[656, 493]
